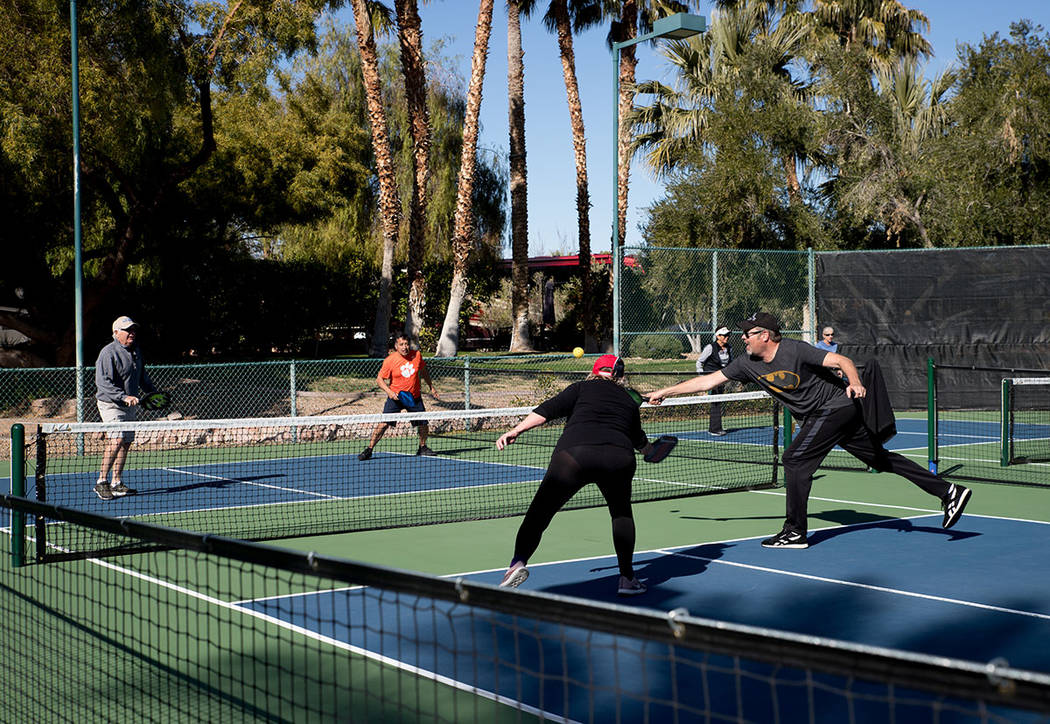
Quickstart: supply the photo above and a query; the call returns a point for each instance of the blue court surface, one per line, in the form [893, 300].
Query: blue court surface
[215, 486]
[977, 592]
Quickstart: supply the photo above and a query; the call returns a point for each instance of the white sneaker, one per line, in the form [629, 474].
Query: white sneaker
[515, 576]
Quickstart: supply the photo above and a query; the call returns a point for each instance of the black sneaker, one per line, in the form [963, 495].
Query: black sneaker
[103, 490]
[786, 539]
[120, 490]
[426, 452]
[953, 504]
[365, 454]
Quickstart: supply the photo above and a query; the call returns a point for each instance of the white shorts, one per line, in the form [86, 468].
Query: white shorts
[114, 412]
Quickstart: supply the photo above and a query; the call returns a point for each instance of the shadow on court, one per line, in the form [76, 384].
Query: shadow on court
[653, 570]
[855, 524]
[219, 484]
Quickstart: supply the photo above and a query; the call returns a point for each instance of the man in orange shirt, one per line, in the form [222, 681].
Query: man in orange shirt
[399, 378]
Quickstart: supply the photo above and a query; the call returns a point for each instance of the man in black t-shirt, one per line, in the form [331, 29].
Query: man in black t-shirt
[803, 378]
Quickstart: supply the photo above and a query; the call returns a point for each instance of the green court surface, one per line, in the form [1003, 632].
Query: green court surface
[838, 498]
[156, 592]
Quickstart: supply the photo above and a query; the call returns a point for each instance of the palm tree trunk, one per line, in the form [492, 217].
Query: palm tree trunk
[628, 65]
[520, 340]
[389, 206]
[463, 229]
[579, 144]
[410, 38]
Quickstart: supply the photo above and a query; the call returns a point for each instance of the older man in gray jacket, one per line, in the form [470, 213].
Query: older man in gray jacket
[120, 373]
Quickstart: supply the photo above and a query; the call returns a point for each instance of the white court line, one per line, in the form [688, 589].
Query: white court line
[251, 482]
[864, 586]
[334, 642]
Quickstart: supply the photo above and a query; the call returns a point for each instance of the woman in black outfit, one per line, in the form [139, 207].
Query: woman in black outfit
[601, 433]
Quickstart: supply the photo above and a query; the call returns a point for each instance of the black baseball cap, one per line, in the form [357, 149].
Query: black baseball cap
[765, 320]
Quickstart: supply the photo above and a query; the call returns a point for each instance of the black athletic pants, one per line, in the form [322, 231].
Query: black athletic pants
[842, 426]
[611, 469]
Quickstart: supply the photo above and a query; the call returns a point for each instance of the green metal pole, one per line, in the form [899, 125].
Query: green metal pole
[811, 272]
[18, 489]
[78, 290]
[616, 200]
[931, 414]
[466, 383]
[787, 426]
[714, 292]
[1005, 453]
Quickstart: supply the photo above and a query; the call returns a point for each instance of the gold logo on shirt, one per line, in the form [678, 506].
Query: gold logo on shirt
[782, 379]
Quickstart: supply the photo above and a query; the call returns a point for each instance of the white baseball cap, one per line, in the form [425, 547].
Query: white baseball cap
[124, 323]
[724, 331]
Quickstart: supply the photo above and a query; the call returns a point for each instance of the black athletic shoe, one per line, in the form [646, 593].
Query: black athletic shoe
[365, 454]
[786, 539]
[954, 503]
[426, 452]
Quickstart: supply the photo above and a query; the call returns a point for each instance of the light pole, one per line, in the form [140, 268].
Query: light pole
[78, 291]
[679, 25]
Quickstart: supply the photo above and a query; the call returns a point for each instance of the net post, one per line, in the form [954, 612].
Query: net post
[931, 414]
[1005, 454]
[18, 489]
[787, 426]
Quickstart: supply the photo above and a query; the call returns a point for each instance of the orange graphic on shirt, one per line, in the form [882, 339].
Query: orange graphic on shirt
[781, 380]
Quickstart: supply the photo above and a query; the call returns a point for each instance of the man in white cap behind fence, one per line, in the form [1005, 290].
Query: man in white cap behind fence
[714, 357]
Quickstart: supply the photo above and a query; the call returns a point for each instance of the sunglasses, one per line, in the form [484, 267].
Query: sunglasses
[752, 333]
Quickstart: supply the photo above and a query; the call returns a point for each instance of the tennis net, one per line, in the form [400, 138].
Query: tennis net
[992, 424]
[215, 629]
[1026, 420]
[261, 479]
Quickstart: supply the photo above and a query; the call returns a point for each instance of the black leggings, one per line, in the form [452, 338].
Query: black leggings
[611, 469]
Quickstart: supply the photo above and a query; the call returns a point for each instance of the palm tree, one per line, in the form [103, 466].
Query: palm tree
[563, 19]
[520, 340]
[749, 40]
[463, 230]
[389, 203]
[883, 176]
[883, 28]
[410, 39]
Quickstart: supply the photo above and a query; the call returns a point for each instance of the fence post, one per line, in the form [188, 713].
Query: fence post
[291, 388]
[18, 489]
[714, 292]
[811, 272]
[466, 383]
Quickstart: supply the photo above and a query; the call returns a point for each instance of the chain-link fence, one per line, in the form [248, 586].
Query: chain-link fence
[672, 300]
[289, 387]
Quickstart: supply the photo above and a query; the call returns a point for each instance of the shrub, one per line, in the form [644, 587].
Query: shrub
[657, 346]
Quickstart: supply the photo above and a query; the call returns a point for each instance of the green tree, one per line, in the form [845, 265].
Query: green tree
[883, 147]
[148, 77]
[994, 162]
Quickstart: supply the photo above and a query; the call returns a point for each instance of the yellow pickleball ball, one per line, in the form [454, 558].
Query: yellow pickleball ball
[578, 352]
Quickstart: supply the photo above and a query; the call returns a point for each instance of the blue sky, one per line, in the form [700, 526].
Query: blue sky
[551, 169]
